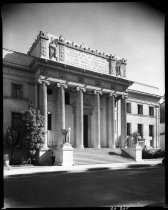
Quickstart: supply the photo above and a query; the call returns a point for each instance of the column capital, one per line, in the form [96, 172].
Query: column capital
[112, 93]
[40, 81]
[124, 96]
[61, 85]
[97, 92]
[81, 88]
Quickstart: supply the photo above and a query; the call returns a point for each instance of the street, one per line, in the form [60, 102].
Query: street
[125, 187]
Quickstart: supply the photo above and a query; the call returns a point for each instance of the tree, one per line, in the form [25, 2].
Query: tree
[32, 130]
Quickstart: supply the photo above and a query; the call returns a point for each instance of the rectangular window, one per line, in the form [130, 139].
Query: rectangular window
[150, 130]
[67, 98]
[16, 121]
[140, 129]
[140, 109]
[128, 107]
[128, 129]
[16, 90]
[49, 121]
[151, 111]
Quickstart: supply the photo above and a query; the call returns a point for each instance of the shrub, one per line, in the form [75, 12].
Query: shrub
[150, 154]
[32, 131]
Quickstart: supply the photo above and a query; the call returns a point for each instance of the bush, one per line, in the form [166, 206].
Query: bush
[30, 137]
[150, 154]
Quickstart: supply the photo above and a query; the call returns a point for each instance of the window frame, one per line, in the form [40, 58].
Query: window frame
[129, 107]
[49, 121]
[129, 133]
[140, 109]
[151, 131]
[151, 111]
[140, 133]
[14, 90]
[13, 127]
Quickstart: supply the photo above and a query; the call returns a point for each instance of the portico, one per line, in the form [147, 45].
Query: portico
[96, 112]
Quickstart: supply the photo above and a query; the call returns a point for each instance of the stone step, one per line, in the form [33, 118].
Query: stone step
[99, 156]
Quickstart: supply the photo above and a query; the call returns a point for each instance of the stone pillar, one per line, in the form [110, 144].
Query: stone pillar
[118, 122]
[79, 117]
[123, 121]
[111, 120]
[97, 105]
[36, 96]
[156, 128]
[61, 104]
[44, 112]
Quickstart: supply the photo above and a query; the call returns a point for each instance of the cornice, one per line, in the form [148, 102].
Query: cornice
[143, 93]
[76, 70]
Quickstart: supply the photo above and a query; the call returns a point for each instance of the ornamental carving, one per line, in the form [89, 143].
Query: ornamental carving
[61, 52]
[62, 75]
[81, 79]
[53, 49]
[43, 48]
[98, 83]
[113, 86]
[118, 69]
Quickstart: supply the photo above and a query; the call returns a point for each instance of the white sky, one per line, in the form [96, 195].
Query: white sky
[134, 31]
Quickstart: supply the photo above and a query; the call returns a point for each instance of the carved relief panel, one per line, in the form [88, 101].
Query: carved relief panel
[43, 48]
[54, 50]
[61, 53]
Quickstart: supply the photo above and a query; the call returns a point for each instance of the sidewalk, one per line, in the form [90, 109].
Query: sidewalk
[29, 170]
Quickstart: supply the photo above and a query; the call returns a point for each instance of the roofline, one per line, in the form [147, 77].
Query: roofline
[145, 84]
[19, 53]
[135, 91]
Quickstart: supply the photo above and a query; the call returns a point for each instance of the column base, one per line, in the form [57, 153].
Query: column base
[80, 147]
[98, 147]
[112, 146]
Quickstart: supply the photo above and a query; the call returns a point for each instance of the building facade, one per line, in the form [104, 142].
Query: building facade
[78, 88]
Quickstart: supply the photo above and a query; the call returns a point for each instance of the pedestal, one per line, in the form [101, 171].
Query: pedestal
[134, 152]
[63, 155]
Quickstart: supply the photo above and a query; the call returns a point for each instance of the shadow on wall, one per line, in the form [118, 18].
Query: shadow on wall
[44, 158]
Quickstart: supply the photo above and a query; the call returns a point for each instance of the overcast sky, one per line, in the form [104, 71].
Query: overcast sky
[134, 31]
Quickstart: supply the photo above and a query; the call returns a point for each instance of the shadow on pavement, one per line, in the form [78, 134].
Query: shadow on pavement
[98, 169]
[157, 205]
[122, 154]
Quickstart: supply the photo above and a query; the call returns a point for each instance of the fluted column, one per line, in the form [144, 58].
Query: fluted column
[44, 84]
[79, 117]
[36, 96]
[111, 120]
[61, 104]
[156, 128]
[123, 121]
[97, 105]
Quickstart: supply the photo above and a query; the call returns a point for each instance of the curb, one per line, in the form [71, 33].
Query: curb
[19, 172]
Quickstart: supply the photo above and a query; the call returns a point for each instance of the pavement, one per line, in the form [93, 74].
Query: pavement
[30, 169]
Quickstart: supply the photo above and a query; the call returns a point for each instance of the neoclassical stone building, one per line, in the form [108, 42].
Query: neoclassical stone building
[79, 88]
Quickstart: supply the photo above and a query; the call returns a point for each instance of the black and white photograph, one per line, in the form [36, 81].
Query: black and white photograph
[83, 105]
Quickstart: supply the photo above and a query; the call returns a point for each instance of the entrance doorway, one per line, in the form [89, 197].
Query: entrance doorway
[85, 131]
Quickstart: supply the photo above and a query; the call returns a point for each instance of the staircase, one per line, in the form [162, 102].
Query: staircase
[89, 156]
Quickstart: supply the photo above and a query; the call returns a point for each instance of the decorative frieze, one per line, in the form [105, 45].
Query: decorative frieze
[62, 75]
[43, 48]
[61, 53]
[81, 79]
[54, 49]
[98, 83]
